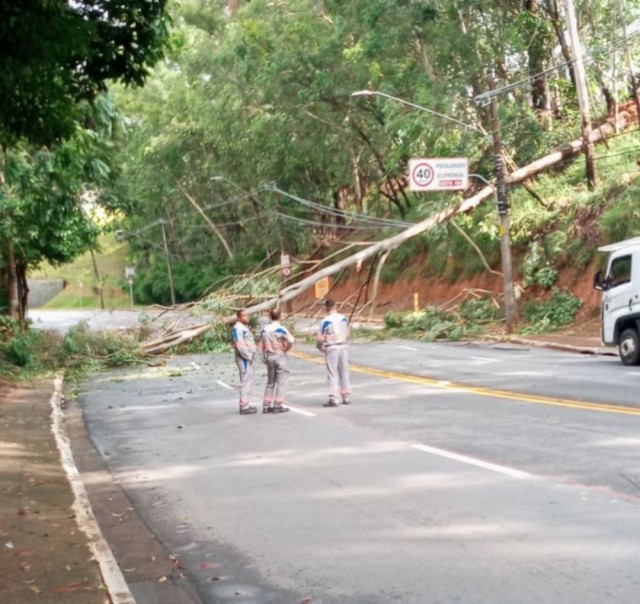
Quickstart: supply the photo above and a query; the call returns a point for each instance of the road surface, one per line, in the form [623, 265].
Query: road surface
[462, 473]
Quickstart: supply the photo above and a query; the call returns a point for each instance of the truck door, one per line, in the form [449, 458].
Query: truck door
[618, 300]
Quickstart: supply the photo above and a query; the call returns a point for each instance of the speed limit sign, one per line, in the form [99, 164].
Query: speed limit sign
[422, 174]
[286, 271]
[439, 174]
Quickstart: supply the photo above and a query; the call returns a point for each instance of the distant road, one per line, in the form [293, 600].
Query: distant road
[101, 320]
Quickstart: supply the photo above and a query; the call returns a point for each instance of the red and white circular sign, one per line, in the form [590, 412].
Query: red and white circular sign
[422, 174]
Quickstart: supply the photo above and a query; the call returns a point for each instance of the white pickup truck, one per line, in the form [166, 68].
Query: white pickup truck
[620, 289]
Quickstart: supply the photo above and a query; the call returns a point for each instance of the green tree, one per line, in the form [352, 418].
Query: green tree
[57, 53]
[45, 198]
[56, 57]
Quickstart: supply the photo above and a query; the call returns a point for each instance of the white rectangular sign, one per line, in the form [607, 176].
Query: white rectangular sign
[439, 174]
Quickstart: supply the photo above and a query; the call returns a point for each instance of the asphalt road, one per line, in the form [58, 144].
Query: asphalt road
[101, 320]
[462, 473]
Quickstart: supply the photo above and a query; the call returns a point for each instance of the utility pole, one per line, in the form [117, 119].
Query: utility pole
[502, 203]
[582, 93]
[96, 274]
[168, 260]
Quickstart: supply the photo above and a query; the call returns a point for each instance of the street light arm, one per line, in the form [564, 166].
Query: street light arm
[419, 107]
[483, 179]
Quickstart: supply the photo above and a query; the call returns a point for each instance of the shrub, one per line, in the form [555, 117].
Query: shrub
[429, 324]
[552, 314]
[537, 269]
[478, 311]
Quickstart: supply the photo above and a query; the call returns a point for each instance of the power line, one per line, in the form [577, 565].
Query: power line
[484, 98]
[352, 227]
[364, 218]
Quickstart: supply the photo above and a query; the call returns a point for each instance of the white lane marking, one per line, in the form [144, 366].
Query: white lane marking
[473, 462]
[302, 411]
[408, 348]
[529, 373]
[114, 580]
[485, 359]
[294, 409]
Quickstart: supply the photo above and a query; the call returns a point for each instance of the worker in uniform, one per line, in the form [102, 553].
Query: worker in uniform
[332, 340]
[275, 341]
[244, 346]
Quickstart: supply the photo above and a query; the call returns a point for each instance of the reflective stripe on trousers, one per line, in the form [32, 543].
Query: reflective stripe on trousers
[277, 377]
[246, 371]
[337, 360]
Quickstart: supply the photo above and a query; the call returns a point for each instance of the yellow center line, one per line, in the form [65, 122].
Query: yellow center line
[480, 391]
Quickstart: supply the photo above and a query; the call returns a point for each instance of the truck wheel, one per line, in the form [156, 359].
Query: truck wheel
[629, 347]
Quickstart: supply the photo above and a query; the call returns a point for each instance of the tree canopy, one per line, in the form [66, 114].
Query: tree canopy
[55, 53]
[57, 59]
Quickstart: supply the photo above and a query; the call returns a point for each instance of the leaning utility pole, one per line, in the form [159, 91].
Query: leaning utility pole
[165, 245]
[582, 93]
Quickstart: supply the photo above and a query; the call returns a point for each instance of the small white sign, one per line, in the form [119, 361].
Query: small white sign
[129, 272]
[439, 174]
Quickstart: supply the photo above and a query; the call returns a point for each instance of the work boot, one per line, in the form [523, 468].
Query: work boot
[280, 409]
[267, 409]
[250, 410]
[330, 404]
[346, 400]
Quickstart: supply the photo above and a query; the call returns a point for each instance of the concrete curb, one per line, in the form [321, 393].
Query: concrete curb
[112, 576]
[595, 350]
[578, 348]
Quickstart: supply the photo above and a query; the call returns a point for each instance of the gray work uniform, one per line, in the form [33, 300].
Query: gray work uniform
[333, 338]
[275, 340]
[245, 352]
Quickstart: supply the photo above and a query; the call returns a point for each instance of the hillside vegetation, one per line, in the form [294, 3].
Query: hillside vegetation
[81, 289]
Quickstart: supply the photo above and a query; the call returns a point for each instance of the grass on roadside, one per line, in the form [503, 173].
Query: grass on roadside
[81, 290]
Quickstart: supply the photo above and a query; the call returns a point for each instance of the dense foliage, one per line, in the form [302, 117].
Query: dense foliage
[57, 53]
[261, 92]
[57, 59]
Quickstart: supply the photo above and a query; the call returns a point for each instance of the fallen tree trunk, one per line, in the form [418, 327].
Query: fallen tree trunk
[548, 161]
[387, 245]
[182, 336]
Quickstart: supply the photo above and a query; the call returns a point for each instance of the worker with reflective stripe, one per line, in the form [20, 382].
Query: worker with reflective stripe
[276, 341]
[245, 351]
[333, 340]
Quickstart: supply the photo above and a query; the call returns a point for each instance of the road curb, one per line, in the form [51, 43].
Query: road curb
[113, 579]
[595, 350]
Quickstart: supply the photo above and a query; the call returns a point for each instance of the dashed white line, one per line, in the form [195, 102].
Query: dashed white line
[408, 348]
[225, 385]
[302, 411]
[473, 462]
[485, 359]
